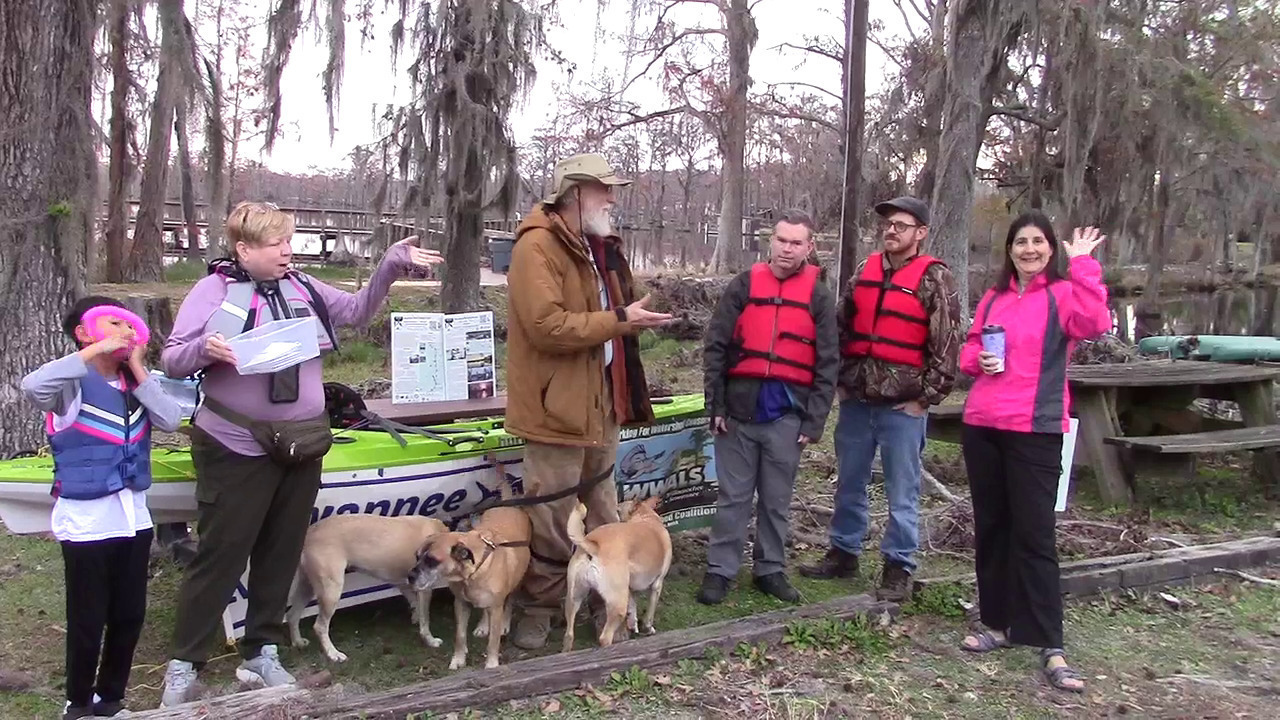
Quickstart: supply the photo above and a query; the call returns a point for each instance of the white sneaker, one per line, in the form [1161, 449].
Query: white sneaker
[179, 683]
[264, 670]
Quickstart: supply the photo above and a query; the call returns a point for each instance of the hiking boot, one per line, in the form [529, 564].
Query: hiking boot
[265, 669]
[532, 631]
[835, 564]
[107, 708]
[777, 585]
[895, 584]
[179, 683]
[714, 588]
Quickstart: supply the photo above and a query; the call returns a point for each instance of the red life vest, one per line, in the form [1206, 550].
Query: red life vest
[776, 336]
[889, 320]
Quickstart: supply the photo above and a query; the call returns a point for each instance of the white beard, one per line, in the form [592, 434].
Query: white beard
[597, 223]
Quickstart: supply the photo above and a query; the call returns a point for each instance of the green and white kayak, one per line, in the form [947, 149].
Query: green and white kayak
[1217, 348]
[365, 471]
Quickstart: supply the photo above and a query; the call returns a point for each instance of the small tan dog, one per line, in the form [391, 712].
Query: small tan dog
[483, 566]
[615, 560]
[383, 547]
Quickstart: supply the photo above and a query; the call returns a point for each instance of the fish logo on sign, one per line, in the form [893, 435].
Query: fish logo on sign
[637, 462]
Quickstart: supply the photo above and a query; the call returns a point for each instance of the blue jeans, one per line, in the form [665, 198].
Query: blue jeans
[860, 429]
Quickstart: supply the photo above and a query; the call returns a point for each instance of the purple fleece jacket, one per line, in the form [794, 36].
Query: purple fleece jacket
[184, 353]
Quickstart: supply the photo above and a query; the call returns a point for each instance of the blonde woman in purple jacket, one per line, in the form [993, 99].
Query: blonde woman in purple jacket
[1014, 421]
[254, 506]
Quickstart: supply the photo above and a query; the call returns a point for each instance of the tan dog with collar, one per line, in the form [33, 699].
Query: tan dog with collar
[483, 566]
[384, 547]
[615, 560]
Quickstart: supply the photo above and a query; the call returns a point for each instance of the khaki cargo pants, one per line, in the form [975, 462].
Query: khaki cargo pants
[547, 469]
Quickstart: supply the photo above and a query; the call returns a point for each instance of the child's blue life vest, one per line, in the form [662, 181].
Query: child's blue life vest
[107, 448]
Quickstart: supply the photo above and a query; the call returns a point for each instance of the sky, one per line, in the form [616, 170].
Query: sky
[586, 36]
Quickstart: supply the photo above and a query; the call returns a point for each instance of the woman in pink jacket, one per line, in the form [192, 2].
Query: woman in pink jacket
[1014, 420]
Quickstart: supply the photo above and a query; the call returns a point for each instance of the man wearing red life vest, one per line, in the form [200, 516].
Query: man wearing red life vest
[900, 336]
[769, 369]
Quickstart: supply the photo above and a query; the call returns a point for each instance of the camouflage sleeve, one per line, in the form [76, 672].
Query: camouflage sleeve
[945, 334]
[844, 306]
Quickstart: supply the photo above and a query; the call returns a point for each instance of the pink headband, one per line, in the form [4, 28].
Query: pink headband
[91, 316]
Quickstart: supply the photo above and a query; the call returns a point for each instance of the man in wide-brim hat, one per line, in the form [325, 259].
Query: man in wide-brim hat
[573, 369]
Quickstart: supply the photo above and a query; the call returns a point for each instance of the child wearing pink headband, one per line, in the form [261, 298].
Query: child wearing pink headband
[101, 403]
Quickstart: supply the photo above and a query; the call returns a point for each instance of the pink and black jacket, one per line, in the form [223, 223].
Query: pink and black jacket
[1042, 325]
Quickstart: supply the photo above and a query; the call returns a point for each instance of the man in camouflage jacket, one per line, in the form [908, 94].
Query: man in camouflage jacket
[900, 336]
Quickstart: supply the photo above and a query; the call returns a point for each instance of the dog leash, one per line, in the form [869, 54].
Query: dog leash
[585, 484]
[491, 547]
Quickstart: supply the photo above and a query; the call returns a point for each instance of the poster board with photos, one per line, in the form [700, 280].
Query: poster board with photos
[438, 356]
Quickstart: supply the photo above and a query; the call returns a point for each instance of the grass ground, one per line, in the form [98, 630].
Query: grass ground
[1217, 655]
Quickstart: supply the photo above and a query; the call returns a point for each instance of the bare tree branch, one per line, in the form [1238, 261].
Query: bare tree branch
[906, 21]
[889, 53]
[787, 113]
[1019, 113]
[641, 119]
[662, 51]
[927, 17]
[823, 52]
[822, 90]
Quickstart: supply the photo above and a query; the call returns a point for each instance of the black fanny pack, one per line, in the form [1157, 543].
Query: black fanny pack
[286, 442]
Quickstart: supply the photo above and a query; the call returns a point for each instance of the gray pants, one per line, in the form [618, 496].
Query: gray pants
[760, 461]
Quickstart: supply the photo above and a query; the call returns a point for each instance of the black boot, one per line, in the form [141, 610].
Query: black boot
[835, 564]
[777, 585]
[714, 588]
[895, 584]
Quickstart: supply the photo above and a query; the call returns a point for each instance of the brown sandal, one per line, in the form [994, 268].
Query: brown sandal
[1057, 675]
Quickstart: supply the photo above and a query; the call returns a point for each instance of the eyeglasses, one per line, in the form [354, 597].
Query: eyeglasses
[897, 226]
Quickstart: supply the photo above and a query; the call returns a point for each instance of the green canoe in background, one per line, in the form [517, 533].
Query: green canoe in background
[1217, 348]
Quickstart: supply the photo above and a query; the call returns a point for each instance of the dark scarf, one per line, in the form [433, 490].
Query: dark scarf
[630, 389]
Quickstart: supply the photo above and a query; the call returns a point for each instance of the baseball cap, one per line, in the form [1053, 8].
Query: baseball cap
[907, 204]
[587, 166]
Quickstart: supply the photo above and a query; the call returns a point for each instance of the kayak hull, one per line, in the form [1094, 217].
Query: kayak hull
[1216, 348]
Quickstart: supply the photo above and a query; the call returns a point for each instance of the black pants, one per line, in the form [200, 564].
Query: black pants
[1013, 480]
[249, 509]
[106, 604]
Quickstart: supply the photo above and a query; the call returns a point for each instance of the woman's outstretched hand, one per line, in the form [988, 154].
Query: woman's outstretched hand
[418, 256]
[1083, 241]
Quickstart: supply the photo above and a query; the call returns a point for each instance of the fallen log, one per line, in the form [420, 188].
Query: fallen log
[479, 688]
[1158, 568]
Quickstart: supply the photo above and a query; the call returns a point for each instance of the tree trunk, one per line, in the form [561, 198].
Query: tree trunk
[1159, 239]
[855, 95]
[188, 188]
[931, 109]
[47, 188]
[980, 31]
[733, 143]
[464, 234]
[119, 169]
[659, 256]
[146, 258]
[215, 170]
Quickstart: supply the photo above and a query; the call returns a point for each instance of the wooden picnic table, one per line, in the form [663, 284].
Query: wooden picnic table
[1121, 400]
[1153, 398]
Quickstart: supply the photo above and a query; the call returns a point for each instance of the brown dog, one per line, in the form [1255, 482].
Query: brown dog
[615, 560]
[384, 547]
[483, 566]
